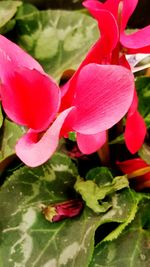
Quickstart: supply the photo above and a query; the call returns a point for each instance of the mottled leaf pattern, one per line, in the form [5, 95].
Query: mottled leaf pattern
[8, 138]
[59, 40]
[28, 239]
[132, 248]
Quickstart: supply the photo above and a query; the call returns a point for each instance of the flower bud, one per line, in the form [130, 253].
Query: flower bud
[59, 211]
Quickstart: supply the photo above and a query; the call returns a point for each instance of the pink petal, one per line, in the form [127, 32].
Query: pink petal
[131, 165]
[33, 152]
[134, 104]
[137, 42]
[29, 97]
[95, 55]
[128, 8]
[15, 55]
[90, 143]
[99, 53]
[106, 21]
[135, 132]
[103, 95]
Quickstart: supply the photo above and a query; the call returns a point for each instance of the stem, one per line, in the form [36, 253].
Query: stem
[104, 153]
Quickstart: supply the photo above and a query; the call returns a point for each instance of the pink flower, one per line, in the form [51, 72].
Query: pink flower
[138, 42]
[137, 164]
[102, 96]
[96, 107]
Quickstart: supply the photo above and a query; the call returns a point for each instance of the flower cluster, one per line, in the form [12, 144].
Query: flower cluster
[119, 44]
[99, 94]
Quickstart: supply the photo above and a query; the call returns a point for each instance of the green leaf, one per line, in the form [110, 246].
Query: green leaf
[100, 175]
[59, 40]
[26, 9]
[144, 153]
[95, 191]
[131, 248]
[143, 90]
[28, 239]
[91, 194]
[114, 234]
[7, 11]
[10, 133]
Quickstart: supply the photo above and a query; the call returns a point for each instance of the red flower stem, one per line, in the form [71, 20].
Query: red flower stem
[104, 153]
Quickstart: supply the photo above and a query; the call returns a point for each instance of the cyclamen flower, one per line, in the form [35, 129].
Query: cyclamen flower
[96, 107]
[137, 42]
[102, 96]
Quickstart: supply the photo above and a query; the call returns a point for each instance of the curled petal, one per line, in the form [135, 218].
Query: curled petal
[90, 143]
[106, 20]
[99, 53]
[137, 42]
[12, 53]
[103, 95]
[135, 132]
[33, 152]
[128, 8]
[30, 98]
